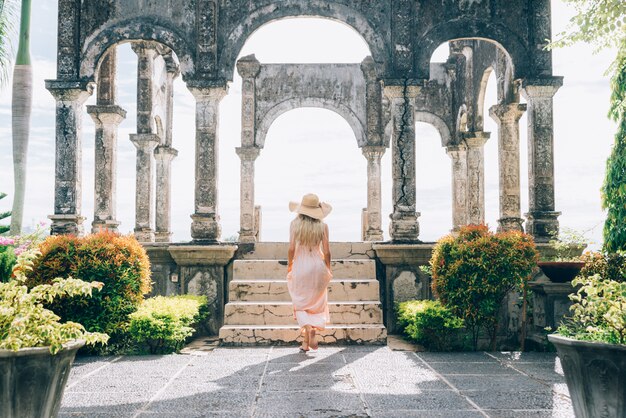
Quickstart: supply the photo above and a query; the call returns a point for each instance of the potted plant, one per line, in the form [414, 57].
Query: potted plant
[561, 261]
[592, 347]
[36, 350]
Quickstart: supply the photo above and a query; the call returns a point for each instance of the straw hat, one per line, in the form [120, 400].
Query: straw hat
[311, 206]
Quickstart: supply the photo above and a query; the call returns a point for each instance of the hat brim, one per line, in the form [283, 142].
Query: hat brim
[319, 212]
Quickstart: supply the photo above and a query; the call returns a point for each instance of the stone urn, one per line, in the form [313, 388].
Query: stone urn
[561, 271]
[596, 376]
[32, 380]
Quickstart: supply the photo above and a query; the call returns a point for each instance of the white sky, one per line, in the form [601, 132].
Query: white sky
[314, 150]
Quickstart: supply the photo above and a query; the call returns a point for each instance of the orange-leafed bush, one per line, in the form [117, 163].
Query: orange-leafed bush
[473, 272]
[119, 262]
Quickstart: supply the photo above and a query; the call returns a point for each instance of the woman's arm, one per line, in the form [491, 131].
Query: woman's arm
[292, 248]
[326, 247]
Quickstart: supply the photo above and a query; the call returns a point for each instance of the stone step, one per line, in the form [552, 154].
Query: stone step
[278, 250]
[281, 313]
[277, 269]
[276, 290]
[234, 335]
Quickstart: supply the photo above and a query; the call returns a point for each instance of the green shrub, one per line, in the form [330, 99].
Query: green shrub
[7, 259]
[119, 262]
[475, 270]
[430, 324]
[163, 324]
[610, 266]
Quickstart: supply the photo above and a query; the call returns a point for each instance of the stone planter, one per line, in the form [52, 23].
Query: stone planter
[32, 380]
[596, 376]
[561, 271]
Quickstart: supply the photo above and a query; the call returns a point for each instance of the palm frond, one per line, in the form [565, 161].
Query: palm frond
[8, 19]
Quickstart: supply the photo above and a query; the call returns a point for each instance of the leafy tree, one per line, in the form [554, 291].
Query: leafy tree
[3, 215]
[603, 24]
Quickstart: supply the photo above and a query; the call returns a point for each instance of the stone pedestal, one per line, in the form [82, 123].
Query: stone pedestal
[458, 155]
[404, 225]
[107, 118]
[165, 277]
[374, 231]
[247, 231]
[550, 304]
[542, 220]
[205, 225]
[70, 97]
[475, 142]
[202, 273]
[507, 117]
[163, 156]
[145, 144]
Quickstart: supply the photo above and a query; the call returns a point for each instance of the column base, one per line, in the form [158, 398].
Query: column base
[66, 225]
[404, 226]
[542, 225]
[205, 228]
[144, 234]
[374, 235]
[107, 224]
[247, 236]
[510, 224]
[162, 236]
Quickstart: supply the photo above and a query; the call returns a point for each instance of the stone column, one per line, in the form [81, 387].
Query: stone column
[507, 117]
[374, 230]
[373, 102]
[145, 144]
[163, 156]
[146, 53]
[107, 118]
[475, 142]
[248, 67]
[247, 229]
[460, 215]
[404, 225]
[70, 97]
[541, 218]
[205, 225]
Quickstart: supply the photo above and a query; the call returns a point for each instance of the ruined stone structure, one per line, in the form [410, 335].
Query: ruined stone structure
[382, 99]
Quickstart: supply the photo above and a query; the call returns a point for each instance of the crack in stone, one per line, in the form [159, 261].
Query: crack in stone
[400, 141]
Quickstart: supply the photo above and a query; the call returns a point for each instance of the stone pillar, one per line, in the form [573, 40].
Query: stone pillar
[460, 215]
[107, 118]
[146, 53]
[404, 225]
[374, 230]
[541, 218]
[163, 155]
[247, 231]
[248, 67]
[145, 144]
[373, 102]
[507, 117]
[205, 220]
[69, 96]
[475, 142]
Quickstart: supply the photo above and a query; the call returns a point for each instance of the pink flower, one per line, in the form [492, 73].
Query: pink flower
[6, 241]
[19, 250]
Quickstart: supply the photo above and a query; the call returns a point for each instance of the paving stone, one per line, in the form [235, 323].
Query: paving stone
[429, 400]
[549, 373]
[519, 357]
[495, 399]
[529, 413]
[128, 383]
[463, 357]
[204, 402]
[512, 383]
[453, 368]
[118, 404]
[312, 414]
[407, 413]
[314, 401]
[341, 383]
[300, 369]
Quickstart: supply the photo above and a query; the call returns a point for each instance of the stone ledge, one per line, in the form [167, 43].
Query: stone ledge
[202, 255]
[399, 254]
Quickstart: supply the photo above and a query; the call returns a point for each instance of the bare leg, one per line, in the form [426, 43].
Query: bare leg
[305, 341]
[312, 339]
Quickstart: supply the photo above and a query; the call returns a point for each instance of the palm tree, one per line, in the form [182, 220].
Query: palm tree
[7, 13]
[21, 107]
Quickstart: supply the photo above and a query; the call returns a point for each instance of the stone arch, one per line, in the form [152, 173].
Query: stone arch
[438, 123]
[266, 120]
[482, 91]
[236, 36]
[505, 39]
[96, 46]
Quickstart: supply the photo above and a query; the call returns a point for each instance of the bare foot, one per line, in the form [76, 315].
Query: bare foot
[312, 339]
[305, 340]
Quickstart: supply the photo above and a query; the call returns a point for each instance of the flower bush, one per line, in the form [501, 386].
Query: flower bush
[430, 324]
[474, 271]
[610, 266]
[163, 324]
[24, 322]
[119, 262]
[598, 312]
[11, 247]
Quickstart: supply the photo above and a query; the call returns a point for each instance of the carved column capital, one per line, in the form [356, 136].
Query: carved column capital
[373, 152]
[70, 91]
[248, 66]
[248, 153]
[507, 113]
[145, 142]
[476, 139]
[371, 69]
[208, 93]
[145, 48]
[165, 153]
[544, 88]
[106, 115]
[400, 91]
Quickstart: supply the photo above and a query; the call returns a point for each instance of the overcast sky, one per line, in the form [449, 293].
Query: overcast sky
[314, 150]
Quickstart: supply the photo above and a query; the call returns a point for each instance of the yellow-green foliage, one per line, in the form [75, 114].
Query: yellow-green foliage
[608, 265]
[24, 322]
[473, 272]
[163, 324]
[119, 262]
[429, 323]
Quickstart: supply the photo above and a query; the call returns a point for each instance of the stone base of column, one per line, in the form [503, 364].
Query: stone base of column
[542, 225]
[404, 226]
[66, 224]
[144, 234]
[205, 228]
[374, 235]
[510, 224]
[108, 225]
[162, 236]
[247, 236]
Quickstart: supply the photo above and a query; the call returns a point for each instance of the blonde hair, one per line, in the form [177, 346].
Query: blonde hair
[308, 231]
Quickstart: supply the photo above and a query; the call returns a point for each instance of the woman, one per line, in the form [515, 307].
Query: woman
[308, 271]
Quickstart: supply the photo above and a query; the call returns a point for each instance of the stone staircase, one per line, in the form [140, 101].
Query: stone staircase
[259, 310]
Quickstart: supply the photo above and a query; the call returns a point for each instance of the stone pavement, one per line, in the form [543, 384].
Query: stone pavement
[353, 381]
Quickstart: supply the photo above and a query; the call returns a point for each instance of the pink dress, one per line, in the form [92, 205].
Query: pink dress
[308, 286]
